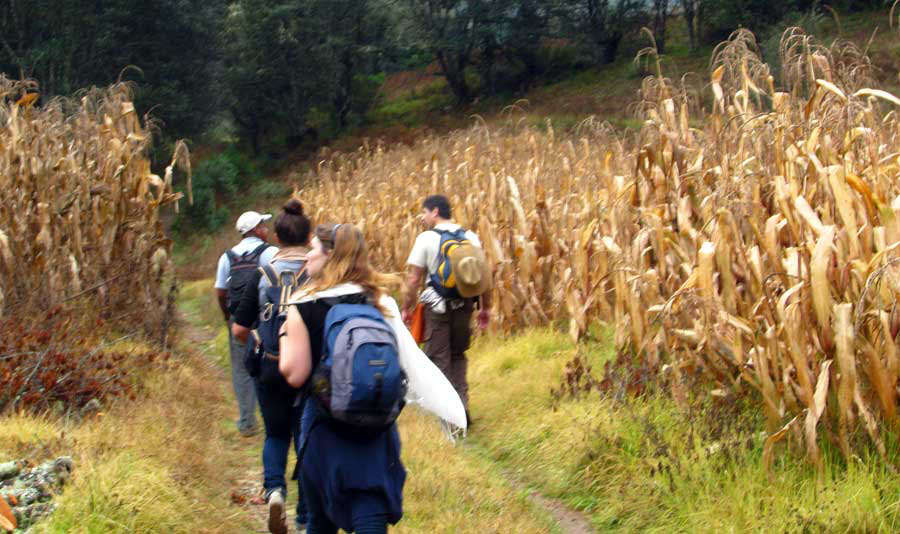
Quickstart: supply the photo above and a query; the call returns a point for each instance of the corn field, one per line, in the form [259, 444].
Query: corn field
[79, 207]
[747, 234]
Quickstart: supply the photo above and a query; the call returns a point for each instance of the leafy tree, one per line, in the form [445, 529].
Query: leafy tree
[269, 71]
[453, 31]
[67, 45]
[294, 66]
[603, 23]
[354, 35]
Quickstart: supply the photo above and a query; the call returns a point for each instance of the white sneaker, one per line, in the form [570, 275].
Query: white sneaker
[277, 523]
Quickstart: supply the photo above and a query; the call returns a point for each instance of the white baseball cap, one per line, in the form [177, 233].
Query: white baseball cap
[250, 220]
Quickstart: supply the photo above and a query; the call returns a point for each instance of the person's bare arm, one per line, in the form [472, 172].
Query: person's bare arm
[222, 296]
[413, 283]
[241, 333]
[295, 362]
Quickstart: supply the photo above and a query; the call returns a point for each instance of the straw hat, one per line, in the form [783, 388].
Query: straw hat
[470, 269]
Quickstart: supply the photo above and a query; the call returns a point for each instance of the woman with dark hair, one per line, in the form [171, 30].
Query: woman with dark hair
[278, 400]
[352, 481]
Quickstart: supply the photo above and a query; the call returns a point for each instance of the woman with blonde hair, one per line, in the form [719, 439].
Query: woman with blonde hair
[352, 480]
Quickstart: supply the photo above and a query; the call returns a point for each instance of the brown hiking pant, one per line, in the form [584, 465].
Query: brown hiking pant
[447, 338]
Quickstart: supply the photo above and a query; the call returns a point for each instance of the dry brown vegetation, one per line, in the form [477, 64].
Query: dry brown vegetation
[79, 206]
[746, 235]
[82, 250]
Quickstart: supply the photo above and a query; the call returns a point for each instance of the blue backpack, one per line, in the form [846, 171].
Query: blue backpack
[359, 382]
[263, 361]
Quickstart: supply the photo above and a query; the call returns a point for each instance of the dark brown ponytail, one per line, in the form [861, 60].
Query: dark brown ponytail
[292, 226]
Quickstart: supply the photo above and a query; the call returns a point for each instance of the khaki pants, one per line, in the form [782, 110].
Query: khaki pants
[447, 337]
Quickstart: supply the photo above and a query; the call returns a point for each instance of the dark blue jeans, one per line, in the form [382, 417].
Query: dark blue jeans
[282, 422]
[368, 517]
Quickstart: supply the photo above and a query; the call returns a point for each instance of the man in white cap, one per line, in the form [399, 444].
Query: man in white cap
[237, 267]
[450, 261]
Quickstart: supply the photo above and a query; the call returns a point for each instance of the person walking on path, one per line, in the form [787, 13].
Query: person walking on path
[352, 478]
[237, 266]
[278, 400]
[448, 313]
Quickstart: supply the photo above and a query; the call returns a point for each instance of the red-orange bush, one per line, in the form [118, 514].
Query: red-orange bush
[50, 360]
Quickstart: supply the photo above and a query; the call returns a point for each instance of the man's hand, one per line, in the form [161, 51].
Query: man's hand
[407, 316]
[483, 318]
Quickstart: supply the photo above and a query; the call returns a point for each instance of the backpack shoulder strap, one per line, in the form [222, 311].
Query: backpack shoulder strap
[459, 233]
[257, 252]
[269, 272]
[232, 255]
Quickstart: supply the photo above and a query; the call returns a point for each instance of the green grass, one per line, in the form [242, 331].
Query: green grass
[198, 305]
[411, 108]
[643, 465]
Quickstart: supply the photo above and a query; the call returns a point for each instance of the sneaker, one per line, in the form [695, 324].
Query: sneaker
[277, 523]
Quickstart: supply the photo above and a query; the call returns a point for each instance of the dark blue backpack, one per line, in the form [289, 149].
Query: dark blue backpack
[359, 382]
[263, 362]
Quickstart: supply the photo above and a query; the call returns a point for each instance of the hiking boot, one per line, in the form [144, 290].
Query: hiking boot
[277, 523]
[248, 432]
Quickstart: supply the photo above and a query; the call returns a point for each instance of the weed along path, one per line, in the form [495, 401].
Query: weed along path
[450, 488]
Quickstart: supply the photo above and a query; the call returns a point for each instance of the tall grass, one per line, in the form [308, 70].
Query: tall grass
[743, 240]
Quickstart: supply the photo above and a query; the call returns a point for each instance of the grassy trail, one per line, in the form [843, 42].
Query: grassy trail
[450, 488]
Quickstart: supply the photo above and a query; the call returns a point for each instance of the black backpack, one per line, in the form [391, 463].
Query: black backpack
[243, 271]
[262, 361]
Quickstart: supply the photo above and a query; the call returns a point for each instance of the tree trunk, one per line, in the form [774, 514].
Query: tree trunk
[454, 73]
[660, 18]
[610, 48]
[689, 12]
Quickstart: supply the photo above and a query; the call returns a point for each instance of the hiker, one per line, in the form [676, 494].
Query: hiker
[352, 475]
[278, 401]
[237, 266]
[449, 260]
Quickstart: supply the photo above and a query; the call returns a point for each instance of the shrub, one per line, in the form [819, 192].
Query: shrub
[222, 175]
[49, 362]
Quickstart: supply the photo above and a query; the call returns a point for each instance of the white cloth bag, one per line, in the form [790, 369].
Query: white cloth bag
[427, 386]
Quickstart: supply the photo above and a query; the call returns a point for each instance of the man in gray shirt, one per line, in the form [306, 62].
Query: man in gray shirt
[237, 266]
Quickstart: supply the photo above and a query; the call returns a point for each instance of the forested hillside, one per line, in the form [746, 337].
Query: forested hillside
[281, 73]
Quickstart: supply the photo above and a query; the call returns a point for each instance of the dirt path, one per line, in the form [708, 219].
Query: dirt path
[247, 486]
[569, 521]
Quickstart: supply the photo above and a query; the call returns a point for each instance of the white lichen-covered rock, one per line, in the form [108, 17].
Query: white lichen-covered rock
[32, 489]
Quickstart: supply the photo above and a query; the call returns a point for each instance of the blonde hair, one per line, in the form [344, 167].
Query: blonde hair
[347, 262]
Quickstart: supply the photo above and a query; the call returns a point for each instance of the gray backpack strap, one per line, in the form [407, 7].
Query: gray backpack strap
[269, 272]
